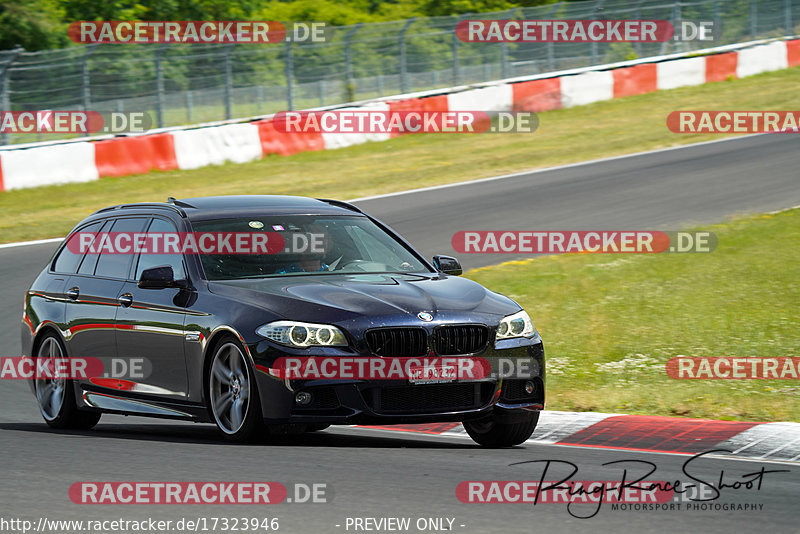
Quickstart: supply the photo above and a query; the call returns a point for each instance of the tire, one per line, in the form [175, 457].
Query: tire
[56, 397]
[233, 400]
[488, 432]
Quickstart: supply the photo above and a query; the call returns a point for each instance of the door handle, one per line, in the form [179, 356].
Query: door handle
[126, 299]
[73, 293]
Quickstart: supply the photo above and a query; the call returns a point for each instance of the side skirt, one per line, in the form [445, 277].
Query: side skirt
[129, 405]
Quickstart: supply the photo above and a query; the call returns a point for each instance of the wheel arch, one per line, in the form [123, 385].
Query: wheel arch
[44, 328]
[217, 335]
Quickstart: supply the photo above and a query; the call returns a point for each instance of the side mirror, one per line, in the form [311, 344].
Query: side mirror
[159, 278]
[447, 265]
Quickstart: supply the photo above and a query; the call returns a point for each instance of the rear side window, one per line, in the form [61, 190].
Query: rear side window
[67, 261]
[110, 265]
[90, 260]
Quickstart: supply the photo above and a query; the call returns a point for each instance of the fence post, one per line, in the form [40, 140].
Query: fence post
[349, 89]
[6, 98]
[787, 13]
[593, 46]
[189, 106]
[160, 86]
[551, 60]
[504, 50]
[402, 59]
[289, 76]
[677, 24]
[86, 80]
[674, 21]
[504, 60]
[456, 70]
[228, 82]
[637, 46]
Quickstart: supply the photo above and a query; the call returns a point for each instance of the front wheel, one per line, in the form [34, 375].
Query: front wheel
[233, 394]
[56, 395]
[489, 432]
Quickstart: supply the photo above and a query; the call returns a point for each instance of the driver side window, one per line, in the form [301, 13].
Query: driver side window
[147, 261]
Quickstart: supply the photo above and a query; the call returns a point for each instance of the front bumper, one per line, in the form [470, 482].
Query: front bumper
[501, 394]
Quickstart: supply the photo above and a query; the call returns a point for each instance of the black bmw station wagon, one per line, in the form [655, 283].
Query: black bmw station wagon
[213, 327]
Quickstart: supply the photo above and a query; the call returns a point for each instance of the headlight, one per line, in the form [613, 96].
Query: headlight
[297, 334]
[517, 325]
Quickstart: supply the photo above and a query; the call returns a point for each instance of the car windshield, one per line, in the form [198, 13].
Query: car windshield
[305, 244]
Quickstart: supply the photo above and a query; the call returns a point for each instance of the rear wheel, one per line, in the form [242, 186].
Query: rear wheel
[233, 395]
[489, 432]
[56, 396]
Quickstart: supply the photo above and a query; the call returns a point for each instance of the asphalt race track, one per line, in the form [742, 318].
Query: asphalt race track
[375, 473]
[663, 190]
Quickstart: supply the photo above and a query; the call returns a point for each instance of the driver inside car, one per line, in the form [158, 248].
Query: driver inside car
[318, 244]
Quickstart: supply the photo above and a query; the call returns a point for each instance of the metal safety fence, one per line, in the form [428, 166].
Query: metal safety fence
[192, 83]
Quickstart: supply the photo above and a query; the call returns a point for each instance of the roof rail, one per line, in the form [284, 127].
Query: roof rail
[144, 205]
[341, 204]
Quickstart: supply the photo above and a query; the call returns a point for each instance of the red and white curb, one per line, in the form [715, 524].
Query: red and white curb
[767, 441]
[647, 433]
[481, 180]
[58, 162]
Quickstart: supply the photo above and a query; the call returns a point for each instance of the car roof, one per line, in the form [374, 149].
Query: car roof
[204, 208]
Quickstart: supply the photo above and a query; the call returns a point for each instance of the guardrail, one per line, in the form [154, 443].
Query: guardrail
[186, 84]
[217, 143]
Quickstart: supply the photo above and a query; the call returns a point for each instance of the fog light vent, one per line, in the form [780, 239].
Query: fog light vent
[303, 398]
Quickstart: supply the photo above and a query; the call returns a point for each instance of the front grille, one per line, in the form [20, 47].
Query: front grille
[397, 342]
[429, 398]
[460, 339]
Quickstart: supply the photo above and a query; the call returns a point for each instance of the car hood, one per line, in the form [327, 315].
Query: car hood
[338, 297]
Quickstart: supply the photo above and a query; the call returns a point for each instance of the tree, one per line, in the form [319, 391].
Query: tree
[32, 24]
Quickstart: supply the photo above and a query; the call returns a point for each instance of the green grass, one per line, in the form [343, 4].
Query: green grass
[564, 136]
[610, 322]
